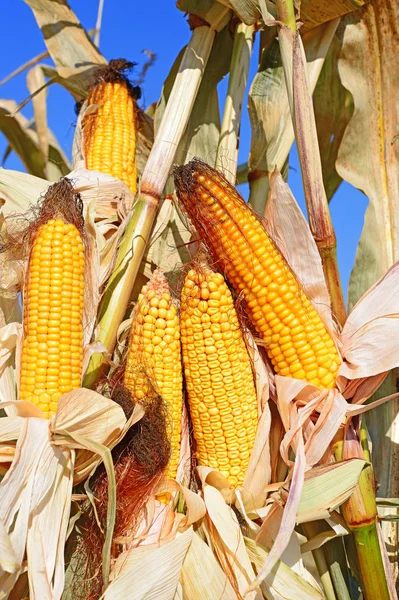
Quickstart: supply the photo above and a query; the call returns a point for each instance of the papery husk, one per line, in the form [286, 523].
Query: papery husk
[202, 575]
[227, 539]
[139, 579]
[27, 507]
[282, 583]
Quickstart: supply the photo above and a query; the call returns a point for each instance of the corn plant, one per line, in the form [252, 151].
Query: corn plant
[183, 391]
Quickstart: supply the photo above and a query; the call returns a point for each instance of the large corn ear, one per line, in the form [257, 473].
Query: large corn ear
[53, 305]
[218, 374]
[297, 341]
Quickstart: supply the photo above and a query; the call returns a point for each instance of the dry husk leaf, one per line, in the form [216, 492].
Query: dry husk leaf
[24, 140]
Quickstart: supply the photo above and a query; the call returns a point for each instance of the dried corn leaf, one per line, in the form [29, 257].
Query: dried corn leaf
[150, 573]
[333, 108]
[24, 141]
[202, 576]
[70, 47]
[282, 583]
[313, 13]
[269, 111]
[325, 488]
[35, 80]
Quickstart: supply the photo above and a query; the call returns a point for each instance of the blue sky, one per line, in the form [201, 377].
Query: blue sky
[128, 29]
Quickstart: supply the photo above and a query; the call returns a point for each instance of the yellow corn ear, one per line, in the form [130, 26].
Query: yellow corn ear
[154, 357]
[52, 351]
[109, 132]
[218, 374]
[297, 341]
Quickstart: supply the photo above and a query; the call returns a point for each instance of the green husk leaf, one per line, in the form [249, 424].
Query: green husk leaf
[333, 107]
[325, 488]
[74, 54]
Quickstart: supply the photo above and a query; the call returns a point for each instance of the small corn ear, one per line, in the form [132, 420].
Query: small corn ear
[154, 357]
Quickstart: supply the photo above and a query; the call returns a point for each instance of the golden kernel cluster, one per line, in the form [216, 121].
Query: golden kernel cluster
[154, 357]
[109, 133]
[52, 351]
[218, 374]
[297, 340]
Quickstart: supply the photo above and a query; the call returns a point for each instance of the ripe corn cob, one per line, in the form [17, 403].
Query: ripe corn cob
[154, 356]
[109, 133]
[218, 374]
[298, 343]
[52, 350]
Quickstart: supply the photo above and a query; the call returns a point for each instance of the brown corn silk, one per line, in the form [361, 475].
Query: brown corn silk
[110, 124]
[140, 460]
[297, 341]
[154, 358]
[218, 375]
[53, 301]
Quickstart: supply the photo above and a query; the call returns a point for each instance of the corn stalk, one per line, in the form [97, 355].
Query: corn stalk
[136, 237]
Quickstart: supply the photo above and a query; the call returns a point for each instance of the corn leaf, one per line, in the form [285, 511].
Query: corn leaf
[24, 140]
[333, 108]
[269, 112]
[369, 159]
[74, 54]
[35, 80]
[325, 488]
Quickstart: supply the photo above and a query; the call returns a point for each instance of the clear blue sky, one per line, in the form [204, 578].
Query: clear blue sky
[129, 28]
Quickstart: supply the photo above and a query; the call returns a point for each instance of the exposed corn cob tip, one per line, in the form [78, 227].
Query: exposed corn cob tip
[154, 358]
[110, 127]
[52, 348]
[218, 374]
[297, 341]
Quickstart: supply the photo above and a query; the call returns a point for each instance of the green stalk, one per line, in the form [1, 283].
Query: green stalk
[301, 105]
[227, 151]
[360, 514]
[137, 235]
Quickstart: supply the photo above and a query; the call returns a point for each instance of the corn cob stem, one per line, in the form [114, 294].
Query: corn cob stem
[227, 151]
[300, 99]
[136, 237]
